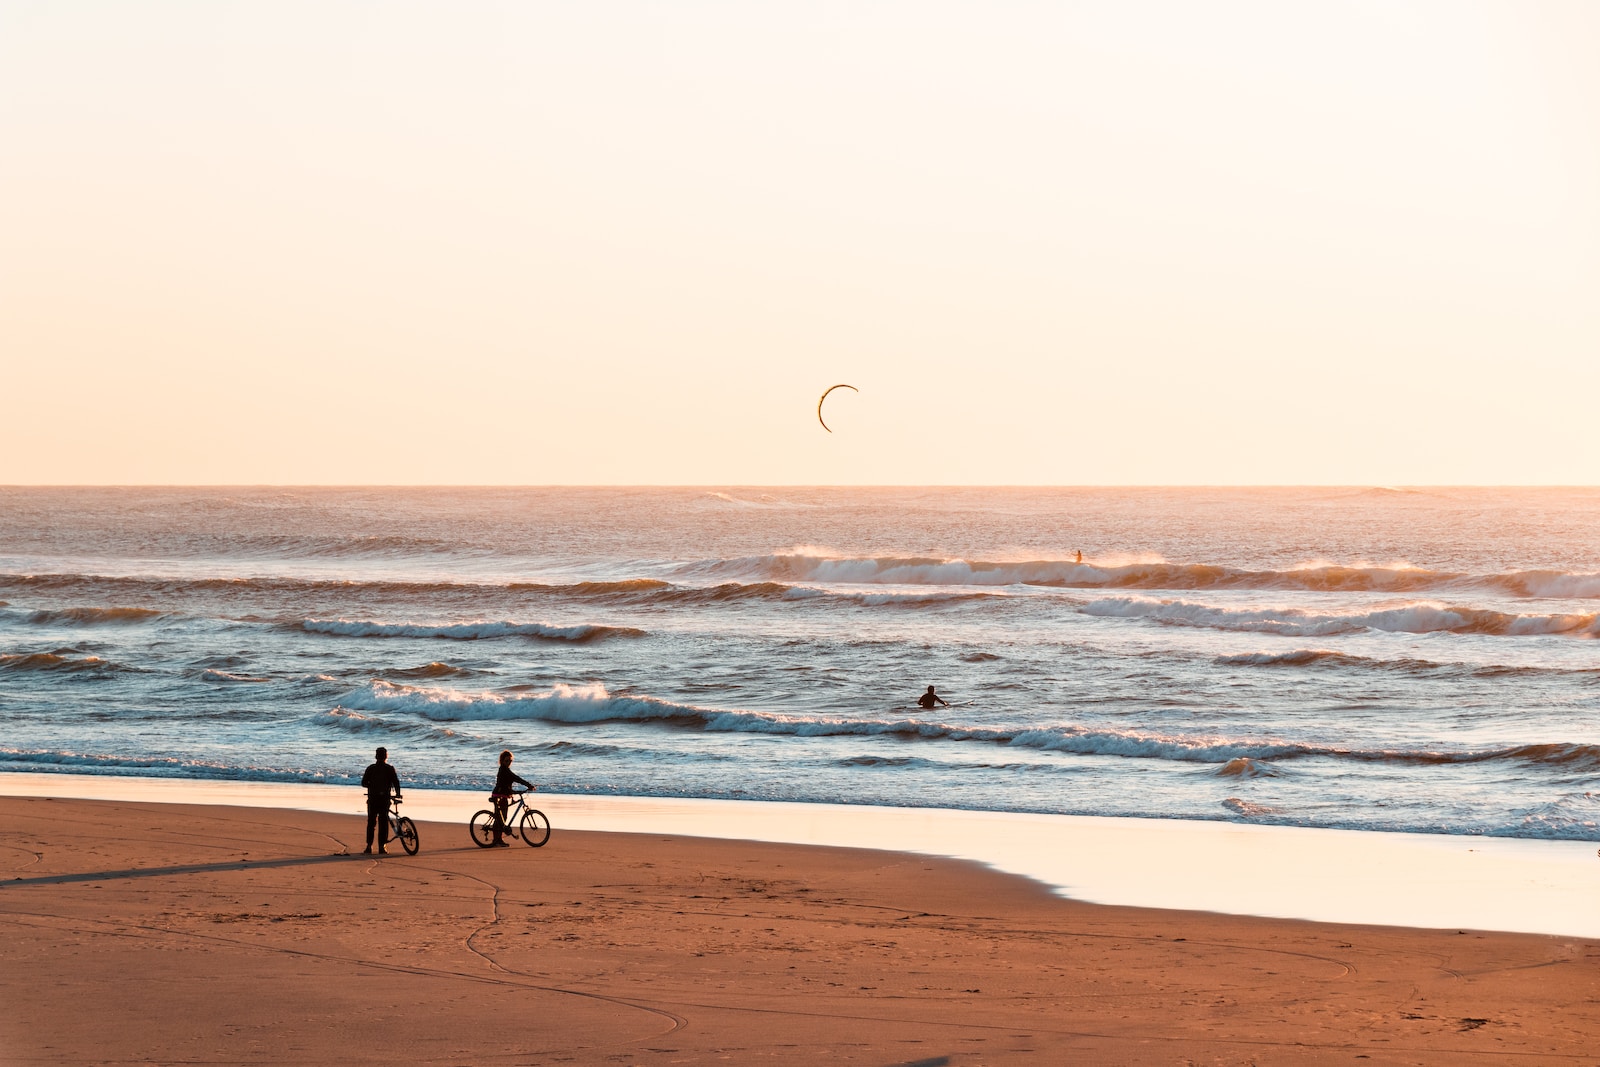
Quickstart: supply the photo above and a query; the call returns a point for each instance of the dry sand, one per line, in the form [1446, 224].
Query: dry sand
[156, 933]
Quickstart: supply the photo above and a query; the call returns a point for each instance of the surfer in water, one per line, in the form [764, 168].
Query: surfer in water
[931, 699]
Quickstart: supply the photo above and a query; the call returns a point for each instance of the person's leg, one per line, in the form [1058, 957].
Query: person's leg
[383, 829]
[372, 825]
[500, 806]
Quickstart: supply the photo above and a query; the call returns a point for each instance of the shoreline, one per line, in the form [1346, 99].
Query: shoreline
[1420, 881]
[261, 935]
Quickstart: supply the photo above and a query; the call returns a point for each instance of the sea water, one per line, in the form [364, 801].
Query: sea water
[1419, 660]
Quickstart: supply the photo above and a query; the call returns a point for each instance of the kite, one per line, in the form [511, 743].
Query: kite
[824, 396]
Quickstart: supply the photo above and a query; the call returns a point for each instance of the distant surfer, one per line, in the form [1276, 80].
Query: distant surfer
[1080, 556]
[931, 699]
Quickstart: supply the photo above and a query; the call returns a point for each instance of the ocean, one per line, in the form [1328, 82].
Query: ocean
[1376, 659]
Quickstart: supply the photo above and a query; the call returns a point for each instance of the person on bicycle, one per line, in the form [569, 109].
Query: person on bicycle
[503, 792]
[380, 780]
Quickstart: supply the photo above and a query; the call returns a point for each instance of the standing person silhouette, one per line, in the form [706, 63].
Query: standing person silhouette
[380, 780]
[503, 780]
[931, 699]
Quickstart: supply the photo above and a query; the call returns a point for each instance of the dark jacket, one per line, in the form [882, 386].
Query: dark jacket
[380, 781]
[503, 780]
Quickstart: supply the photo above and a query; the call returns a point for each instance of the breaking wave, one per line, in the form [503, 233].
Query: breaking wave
[1418, 618]
[632, 591]
[1070, 574]
[594, 704]
[465, 631]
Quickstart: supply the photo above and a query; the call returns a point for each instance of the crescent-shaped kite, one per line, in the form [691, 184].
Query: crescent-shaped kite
[824, 396]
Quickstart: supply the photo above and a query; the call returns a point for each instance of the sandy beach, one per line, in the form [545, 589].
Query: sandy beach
[160, 933]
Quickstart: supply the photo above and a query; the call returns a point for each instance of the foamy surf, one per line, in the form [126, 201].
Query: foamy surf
[1378, 661]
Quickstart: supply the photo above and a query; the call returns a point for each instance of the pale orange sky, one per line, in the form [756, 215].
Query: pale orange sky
[542, 243]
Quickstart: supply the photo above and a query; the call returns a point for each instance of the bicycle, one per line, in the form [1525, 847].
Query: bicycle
[404, 830]
[535, 828]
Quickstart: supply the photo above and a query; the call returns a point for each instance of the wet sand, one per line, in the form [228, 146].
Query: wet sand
[157, 933]
[1341, 876]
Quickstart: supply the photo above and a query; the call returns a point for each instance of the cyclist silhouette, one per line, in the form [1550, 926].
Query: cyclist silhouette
[380, 780]
[503, 780]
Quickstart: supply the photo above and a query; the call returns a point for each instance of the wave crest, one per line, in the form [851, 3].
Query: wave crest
[820, 566]
[62, 662]
[227, 678]
[1245, 767]
[1236, 757]
[1418, 618]
[94, 616]
[626, 587]
[464, 631]
[431, 670]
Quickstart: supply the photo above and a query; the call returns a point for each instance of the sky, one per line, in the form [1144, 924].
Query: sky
[607, 242]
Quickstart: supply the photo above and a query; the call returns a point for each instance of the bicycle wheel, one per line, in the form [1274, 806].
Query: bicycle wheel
[482, 827]
[406, 831]
[535, 827]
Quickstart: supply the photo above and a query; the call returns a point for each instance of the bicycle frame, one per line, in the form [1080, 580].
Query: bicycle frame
[400, 828]
[514, 812]
[521, 821]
